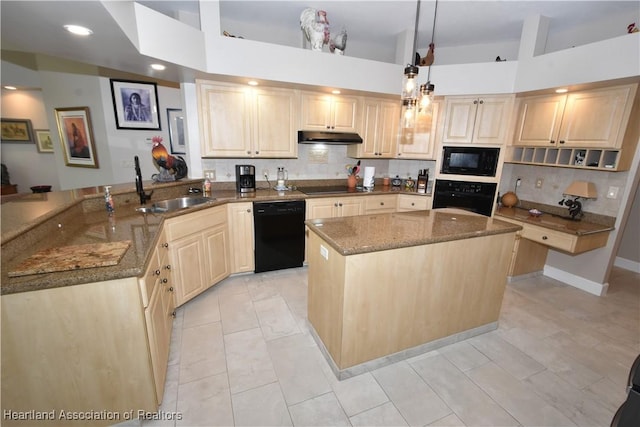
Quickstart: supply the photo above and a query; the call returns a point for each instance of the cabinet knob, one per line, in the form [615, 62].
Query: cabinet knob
[257, 152]
[248, 210]
[399, 154]
[475, 102]
[381, 203]
[544, 237]
[171, 289]
[340, 204]
[248, 151]
[413, 204]
[173, 314]
[165, 280]
[165, 245]
[552, 142]
[167, 267]
[157, 272]
[481, 101]
[561, 142]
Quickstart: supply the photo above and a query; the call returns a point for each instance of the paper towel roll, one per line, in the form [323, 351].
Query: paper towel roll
[369, 172]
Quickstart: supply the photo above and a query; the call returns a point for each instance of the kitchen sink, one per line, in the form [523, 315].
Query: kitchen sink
[171, 205]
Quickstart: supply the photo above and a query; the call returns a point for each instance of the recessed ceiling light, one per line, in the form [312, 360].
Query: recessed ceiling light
[335, 92]
[78, 30]
[158, 67]
[563, 90]
[10, 87]
[252, 83]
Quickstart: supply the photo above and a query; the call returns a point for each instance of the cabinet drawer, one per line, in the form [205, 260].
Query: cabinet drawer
[380, 204]
[195, 222]
[558, 240]
[413, 203]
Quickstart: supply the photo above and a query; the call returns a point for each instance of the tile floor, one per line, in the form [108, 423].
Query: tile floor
[241, 354]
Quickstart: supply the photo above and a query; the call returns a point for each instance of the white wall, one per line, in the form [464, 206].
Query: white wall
[628, 255]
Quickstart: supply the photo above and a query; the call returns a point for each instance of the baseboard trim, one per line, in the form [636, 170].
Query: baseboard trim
[627, 264]
[595, 288]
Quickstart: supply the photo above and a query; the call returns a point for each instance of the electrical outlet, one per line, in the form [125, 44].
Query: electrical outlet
[613, 192]
[265, 173]
[539, 182]
[518, 182]
[210, 173]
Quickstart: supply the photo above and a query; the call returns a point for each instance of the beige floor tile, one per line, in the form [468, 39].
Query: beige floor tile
[261, 406]
[300, 375]
[448, 421]
[516, 397]
[248, 361]
[320, 411]
[359, 393]
[416, 401]
[463, 355]
[275, 318]
[202, 352]
[237, 312]
[383, 415]
[202, 309]
[205, 402]
[468, 401]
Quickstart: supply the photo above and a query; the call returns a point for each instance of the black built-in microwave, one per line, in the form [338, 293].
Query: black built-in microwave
[470, 161]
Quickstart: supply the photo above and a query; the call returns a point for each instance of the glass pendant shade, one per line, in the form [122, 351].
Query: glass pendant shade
[425, 103]
[408, 121]
[409, 83]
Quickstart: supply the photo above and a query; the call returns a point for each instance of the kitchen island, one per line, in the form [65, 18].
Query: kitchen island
[390, 286]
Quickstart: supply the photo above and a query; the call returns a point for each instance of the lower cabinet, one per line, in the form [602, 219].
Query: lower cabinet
[241, 237]
[386, 203]
[198, 251]
[334, 207]
[408, 202]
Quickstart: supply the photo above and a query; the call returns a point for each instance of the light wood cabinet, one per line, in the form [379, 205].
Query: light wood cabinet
[380, 121]
[333, 207]
[477, 119]
[588, 119]
[408, 202]
[329, 112]
[424, 138]
[237, 121]
[198, 251]
[241, 237]
[385, 203]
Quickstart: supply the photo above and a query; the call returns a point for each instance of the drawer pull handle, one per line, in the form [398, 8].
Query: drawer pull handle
[544, 237]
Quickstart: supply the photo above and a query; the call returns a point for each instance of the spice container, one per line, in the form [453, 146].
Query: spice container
[108, 200]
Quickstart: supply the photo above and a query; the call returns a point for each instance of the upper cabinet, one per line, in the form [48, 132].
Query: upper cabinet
[237, 121]
[588, 119]
[477, 119]
[424, 137]
[330, 112]
[380, 121]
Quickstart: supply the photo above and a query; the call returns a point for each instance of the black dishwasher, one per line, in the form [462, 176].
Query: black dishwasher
[279, 234]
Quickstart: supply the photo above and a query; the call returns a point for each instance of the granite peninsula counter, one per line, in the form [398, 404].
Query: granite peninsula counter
[389, 286]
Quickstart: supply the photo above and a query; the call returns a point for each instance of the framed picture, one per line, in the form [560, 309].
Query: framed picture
[176, 131]
[17, 130]
[76, 137]
[135, 104]
[43, 141]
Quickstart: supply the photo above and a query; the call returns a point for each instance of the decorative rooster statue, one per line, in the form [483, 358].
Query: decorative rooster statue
[172, 168]
[315, 27]
[427, 60]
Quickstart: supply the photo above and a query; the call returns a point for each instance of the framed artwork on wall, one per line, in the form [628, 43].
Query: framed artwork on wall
[76, 137]
[43, 141]
[135, 104]
[176, 131]
[17, 130]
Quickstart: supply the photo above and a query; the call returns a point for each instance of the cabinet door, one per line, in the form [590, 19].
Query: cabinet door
[408, 202]
[320, 208]
[539, 120]
[424, 137]
[460, 114]
[595, 118]
[188, 259]
[216, 243]
[344, 114]
[225, 129]
[368, 148]
[380, 204]
[492, 119]
[241, 237]
[350, 206]
[159, 339]
[316, 111]
[275, 124]
[388, 122]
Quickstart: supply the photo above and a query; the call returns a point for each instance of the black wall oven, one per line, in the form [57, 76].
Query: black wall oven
[470, 161]
[476, 197]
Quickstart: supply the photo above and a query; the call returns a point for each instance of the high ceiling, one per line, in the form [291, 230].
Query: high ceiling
[36, 26]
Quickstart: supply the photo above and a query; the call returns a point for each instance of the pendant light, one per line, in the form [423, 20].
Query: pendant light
[426, 90]
[410, 92]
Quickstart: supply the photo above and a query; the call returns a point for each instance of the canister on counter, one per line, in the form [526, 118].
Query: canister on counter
[423, 179]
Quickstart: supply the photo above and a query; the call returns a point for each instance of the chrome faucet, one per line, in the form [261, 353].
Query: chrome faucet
[139, 188]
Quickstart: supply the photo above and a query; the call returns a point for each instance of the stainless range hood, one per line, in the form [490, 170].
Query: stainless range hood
[326, 137]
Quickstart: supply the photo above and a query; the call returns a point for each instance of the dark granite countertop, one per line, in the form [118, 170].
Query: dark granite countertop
[379, 232]
[552, 221]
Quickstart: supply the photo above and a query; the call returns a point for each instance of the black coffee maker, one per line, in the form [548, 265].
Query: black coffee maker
[245, 178]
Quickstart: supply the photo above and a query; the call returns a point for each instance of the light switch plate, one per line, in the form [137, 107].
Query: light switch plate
[324, 252]
[612, 193]
[539, 182]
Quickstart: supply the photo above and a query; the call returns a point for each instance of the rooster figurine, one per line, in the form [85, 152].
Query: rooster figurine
[172, 168]
[427, 60]
[315, 26]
